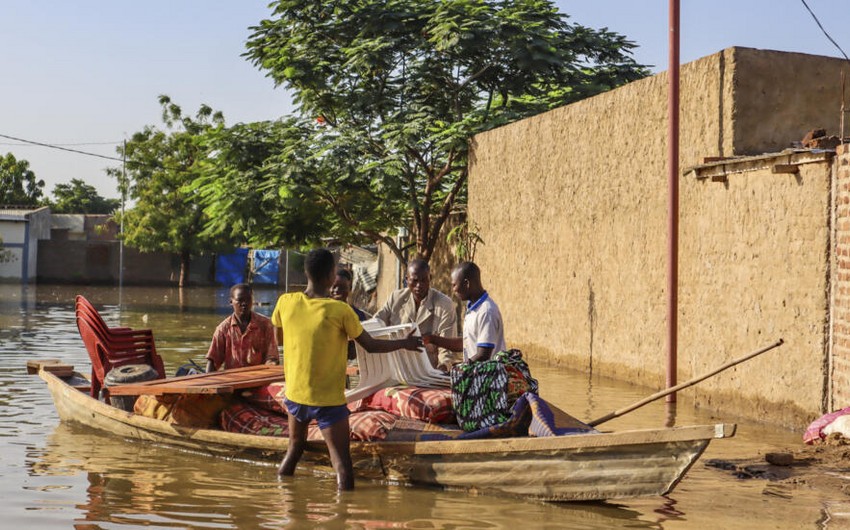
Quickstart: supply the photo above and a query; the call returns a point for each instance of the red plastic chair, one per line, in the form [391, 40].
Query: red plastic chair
[110, 347]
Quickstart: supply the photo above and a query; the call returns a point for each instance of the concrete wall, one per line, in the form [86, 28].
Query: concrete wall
[572, 205]
[96, 262]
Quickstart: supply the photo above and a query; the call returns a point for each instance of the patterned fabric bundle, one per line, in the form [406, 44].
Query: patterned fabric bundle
[483, 393]
[530, 416]
[269, 397]
[427, 404]
[247, 419]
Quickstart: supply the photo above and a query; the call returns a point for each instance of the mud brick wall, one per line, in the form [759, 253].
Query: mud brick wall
[572, 207]
[840, 338]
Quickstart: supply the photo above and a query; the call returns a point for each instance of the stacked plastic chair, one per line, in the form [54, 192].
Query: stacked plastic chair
[400, 367]
[110, 347]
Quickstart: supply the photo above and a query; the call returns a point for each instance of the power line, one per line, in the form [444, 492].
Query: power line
[59, 147]
[66, 145]
[824, 30]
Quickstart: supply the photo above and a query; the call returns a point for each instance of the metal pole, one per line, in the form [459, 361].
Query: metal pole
[286, 275]
[121, 229]
[673, 201]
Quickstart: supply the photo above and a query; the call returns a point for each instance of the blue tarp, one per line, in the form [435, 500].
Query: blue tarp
[266, 267]
[230, 268]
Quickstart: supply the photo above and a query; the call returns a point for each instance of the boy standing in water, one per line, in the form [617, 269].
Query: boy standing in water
[314, 330]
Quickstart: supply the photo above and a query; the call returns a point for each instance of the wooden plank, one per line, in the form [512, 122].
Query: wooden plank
[33, 366]
[60, 369]
[225, 382]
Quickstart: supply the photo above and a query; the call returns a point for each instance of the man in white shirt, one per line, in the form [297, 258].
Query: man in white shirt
[483, 331]
[428, 308]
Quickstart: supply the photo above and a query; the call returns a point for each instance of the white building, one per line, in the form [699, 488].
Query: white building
[20, 230]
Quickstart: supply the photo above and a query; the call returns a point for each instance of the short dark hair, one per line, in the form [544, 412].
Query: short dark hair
[244, 286]
[319, 263]
[345, 273]
[468, 271]
[419, 265]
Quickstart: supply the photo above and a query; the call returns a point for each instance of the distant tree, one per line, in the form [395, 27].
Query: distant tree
[160, 165]
[79, 197]
[389, 93]
[18, 184]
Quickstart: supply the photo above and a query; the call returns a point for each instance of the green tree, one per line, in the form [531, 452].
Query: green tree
[79, 197]
[160, 163]
[389, 93]
[18, 183]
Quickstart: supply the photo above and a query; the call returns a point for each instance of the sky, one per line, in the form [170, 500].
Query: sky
[86, 74]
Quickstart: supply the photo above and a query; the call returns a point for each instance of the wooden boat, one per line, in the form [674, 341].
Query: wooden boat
[565, 468]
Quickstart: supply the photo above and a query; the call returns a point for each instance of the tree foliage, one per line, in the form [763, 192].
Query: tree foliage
[18, 184]
[389, 93]
[79, 197]
[161, 163]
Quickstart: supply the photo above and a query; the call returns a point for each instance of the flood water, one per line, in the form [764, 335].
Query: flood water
[56, 475]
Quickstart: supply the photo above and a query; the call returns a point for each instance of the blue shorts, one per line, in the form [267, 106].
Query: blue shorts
[325, 416]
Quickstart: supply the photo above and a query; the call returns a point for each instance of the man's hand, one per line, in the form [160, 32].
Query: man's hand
[413, 342]
[449, 343]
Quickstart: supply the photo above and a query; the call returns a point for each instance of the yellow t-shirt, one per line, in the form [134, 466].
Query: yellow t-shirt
[315, 347]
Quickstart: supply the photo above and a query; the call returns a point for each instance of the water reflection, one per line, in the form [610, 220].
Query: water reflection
[56, 475]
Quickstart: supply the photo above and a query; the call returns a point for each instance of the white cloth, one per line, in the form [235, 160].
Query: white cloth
[482, 326]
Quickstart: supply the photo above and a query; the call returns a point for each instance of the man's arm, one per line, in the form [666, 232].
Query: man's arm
[278, 335]
[385, 313]
[445, 325]
[218, 350]
[373, 345]
[272, 354]
[483, 353]
[449, 343]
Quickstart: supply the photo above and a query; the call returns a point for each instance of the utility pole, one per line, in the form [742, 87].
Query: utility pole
[673, 201]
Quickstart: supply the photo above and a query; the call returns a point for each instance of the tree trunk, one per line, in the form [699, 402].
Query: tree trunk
[184, 269]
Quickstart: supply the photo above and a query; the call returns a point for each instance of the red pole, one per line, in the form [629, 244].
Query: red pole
[673, 200]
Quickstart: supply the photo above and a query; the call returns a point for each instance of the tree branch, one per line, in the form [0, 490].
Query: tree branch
[446, 209]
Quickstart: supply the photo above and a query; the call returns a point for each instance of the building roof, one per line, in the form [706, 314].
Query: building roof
[10, 213]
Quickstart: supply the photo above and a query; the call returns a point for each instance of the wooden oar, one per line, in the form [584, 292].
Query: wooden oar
[680, 386]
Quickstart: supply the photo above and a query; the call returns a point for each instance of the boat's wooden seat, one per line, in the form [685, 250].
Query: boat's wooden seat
[110, 347]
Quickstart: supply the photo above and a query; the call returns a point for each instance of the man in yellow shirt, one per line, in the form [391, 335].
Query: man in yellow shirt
[314, 330]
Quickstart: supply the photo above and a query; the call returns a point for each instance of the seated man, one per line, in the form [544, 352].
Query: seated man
[483, 331]
[244, 338]
[341, 288]
[430, 309]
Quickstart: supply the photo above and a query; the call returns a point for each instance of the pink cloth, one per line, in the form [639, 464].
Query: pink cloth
[234, 349]
[815, 431]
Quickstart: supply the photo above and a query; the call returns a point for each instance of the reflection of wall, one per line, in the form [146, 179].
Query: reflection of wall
[98, 262]
[572, 207]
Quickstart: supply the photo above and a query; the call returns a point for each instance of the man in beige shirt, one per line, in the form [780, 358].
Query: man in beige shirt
[430, 309]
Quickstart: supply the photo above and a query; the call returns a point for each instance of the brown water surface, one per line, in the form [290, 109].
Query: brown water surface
[56, 475]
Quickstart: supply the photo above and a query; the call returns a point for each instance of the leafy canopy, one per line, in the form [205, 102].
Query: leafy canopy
[160, 165]
[18, 184]
[79, 197]
[389, 93]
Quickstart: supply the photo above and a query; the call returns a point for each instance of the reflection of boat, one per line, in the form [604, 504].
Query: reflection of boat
[577, 467]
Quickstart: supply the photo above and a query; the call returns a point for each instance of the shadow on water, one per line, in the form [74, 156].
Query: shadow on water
[56, 475]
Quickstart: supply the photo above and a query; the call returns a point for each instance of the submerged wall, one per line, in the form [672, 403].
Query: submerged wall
[572, 207]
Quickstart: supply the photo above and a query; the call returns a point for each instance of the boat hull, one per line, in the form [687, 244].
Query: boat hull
[565, 468]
